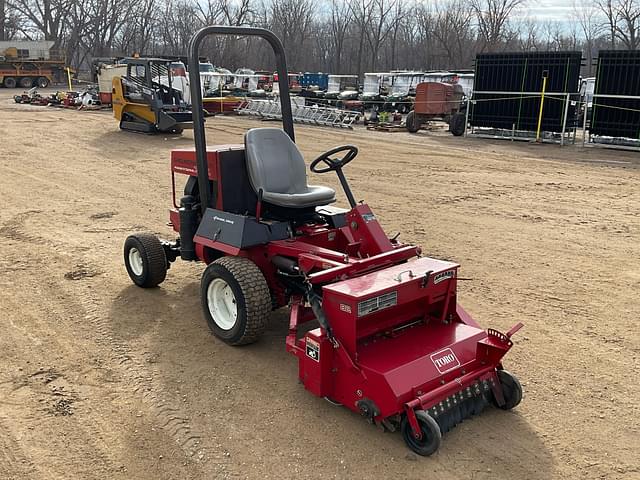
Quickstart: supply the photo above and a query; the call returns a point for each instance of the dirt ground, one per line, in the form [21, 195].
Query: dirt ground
[101, 379]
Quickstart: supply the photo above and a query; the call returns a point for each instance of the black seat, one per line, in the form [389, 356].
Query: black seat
[276, 166]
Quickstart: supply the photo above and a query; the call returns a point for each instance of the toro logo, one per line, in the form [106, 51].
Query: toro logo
[345, 308]
[445, 360]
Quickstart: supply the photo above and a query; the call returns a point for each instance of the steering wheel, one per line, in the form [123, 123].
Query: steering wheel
[334, 163]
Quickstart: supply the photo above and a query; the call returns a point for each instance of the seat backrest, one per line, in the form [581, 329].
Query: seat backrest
[274, 163]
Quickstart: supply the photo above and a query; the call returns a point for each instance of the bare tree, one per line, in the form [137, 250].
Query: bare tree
[339, 21]
[608, 9]
[424, 33]
[529, 35]
[3, 19]
[362, 13]
[397, 21]
[45, 16]
[628, 25]
[622, 21]
[292, 21]
[340, 36]
[492, 20]
[107, 19]
[453, 31]
[586, 16]
[379, 27]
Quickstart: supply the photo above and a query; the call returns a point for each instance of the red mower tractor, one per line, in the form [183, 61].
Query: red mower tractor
[391, 342]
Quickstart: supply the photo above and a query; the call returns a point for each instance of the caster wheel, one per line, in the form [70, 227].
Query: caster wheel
[511, 390]
[145, 260]
[431, 434]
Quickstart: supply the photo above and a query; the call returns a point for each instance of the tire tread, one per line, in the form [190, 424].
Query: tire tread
[157, 260]
[256, 296]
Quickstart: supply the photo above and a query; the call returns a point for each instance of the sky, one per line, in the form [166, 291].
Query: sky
[550, 10]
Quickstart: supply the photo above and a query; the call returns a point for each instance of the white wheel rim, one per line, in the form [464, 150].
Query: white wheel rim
[222, 304]
[135, 262]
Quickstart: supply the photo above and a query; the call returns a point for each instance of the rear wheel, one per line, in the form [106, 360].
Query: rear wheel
[145, 260]
[511, 390]
[9, 82]
[431, 434]
[26, 82]
[457, 124]
[42, 82]
[235, 300]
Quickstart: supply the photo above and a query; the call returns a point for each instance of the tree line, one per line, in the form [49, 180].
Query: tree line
[338, 36]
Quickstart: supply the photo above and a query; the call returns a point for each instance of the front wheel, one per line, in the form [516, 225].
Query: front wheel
[42, 82]
[145, 260]
[412, 123]
[431, 434]
[235, 300]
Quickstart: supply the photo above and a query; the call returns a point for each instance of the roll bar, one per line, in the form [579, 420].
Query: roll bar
[196, 93]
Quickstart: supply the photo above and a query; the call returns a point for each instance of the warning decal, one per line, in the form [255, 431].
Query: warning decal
[313, 349]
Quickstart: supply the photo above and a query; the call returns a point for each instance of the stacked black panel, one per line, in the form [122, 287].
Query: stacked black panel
[618, 73]
[519, 73]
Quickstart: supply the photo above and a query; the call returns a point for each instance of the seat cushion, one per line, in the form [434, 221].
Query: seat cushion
[314, 196]
[276, 166]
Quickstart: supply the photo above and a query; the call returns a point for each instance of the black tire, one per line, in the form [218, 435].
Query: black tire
[9, 82]
[511, 390]
[251, 297]
[457, 124]
[431, 434]
[154, 260]
[42, 82]
[410, 122]
[26, 82]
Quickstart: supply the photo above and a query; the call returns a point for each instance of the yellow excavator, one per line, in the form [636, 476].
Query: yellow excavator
[148, 99]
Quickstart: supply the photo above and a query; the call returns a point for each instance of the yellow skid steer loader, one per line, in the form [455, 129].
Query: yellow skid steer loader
[148, 100]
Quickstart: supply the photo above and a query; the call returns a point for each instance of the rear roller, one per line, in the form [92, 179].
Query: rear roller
[145, 260]
[431, 434]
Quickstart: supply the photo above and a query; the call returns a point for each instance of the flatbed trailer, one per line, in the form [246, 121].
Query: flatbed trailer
[27, 74]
